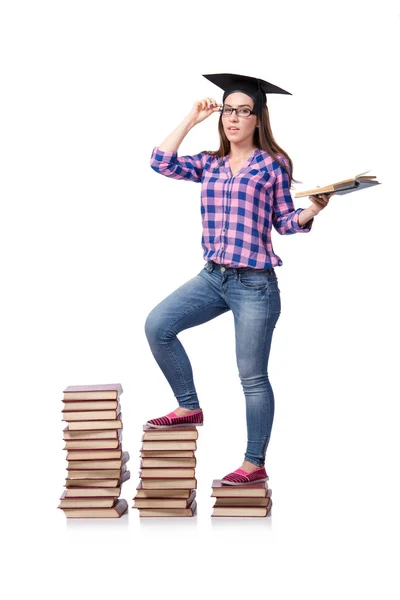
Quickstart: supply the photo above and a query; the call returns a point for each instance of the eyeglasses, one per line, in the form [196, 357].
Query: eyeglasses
[240, 112]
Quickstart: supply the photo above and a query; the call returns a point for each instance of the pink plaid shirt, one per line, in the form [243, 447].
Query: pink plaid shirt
[237, 212]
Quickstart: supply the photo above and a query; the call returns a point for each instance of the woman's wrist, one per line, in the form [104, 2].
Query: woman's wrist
[189, 122]
[313, 210]
[306, 215]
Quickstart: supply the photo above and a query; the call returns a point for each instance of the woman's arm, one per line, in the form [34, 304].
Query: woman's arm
[201, 110]
[285, 218]
[174, 140]
[178, 167]
[306, 215]
[164, 158]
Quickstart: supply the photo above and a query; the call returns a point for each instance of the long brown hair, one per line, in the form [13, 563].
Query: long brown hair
[263, 139]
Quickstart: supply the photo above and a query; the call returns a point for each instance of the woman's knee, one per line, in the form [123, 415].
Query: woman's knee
[154, 326]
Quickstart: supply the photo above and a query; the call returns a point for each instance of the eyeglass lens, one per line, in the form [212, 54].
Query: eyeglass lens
[241, 112]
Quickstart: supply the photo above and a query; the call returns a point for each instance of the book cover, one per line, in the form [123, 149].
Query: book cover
[164, 502]
[345, 186]
[252, 489]
[169, 512]
[108, 391]
[116, 511]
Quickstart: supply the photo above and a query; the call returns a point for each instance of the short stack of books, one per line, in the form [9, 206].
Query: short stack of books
[97, 466]
[168, 483]
[249, 500]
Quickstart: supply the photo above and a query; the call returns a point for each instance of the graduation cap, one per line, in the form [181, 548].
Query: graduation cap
[252, 86]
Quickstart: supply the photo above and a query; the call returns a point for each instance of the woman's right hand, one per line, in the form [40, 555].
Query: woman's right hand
[203, 109]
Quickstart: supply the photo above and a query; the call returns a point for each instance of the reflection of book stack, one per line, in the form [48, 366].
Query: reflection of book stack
[168, 483]
[97, 466]
[248, 500]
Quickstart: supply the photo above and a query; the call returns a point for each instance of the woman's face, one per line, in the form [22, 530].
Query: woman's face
[239, 129]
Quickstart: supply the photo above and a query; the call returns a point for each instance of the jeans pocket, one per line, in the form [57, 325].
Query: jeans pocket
[255, 279]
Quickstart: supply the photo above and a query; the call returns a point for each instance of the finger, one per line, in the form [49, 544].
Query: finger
[315, 200]
[210, 104]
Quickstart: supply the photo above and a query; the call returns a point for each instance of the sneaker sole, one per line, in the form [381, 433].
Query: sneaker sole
[244, 482]
[174, 426]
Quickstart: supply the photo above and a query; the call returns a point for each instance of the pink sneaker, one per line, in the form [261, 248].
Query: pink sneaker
[172, 420]
[241, 477]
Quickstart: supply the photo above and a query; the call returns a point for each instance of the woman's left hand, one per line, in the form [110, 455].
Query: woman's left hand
[320, 201]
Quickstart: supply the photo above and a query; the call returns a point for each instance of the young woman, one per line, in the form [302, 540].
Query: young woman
[245, 190]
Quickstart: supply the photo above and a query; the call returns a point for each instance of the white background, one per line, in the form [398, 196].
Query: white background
[92, 239]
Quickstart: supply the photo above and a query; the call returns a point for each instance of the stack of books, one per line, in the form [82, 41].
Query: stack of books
[249, 500]
[97, 466]
[168, 483]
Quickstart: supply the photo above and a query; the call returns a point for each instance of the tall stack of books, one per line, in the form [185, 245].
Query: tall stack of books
[168, 483]
[249, 500]
[97, 466]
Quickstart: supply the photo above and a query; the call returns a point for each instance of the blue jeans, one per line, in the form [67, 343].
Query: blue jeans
[253, 296]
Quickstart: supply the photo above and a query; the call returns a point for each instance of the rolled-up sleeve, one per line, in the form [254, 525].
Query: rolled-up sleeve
[285, 218]
[178, 167]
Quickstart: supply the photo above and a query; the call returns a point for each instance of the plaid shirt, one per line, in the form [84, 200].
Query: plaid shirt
[237, 212]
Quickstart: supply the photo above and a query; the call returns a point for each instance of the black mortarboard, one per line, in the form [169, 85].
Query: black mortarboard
[252, 86]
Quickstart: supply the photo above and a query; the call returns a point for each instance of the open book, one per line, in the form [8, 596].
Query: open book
[346, 186]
